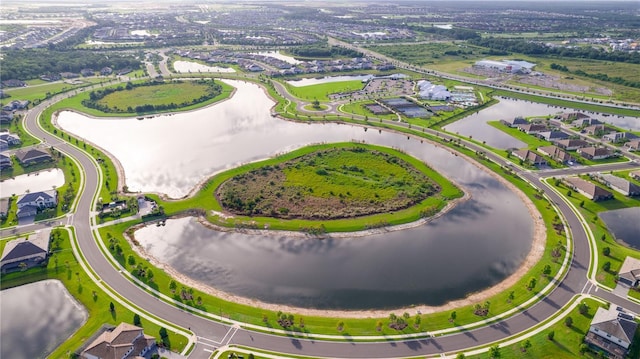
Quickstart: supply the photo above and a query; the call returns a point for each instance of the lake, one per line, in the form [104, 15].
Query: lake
[32, 182]
[190, 66]
[624, 224]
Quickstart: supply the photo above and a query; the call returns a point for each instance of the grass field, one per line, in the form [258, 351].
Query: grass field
[161, 94]
[429, 54]
[358, 108]
[321, 92]
[42, 89]
[64, 266]
[329, 183]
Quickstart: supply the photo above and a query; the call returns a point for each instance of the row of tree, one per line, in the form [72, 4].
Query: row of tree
[599, 76]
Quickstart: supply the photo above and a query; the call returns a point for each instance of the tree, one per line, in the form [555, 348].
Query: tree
[149, 275]
[112, 307]
[525, 345]
[340, 326]
[461, 356]
[173, 286]
[606, 251]
[568, 321]
[547, 270]
[131, 260]
[606, 266]
[550, 335]
[494, 351]
[452, 316]
[512, 296]
[583, 308]
[136, 319]
[251, 356]
[532, 284]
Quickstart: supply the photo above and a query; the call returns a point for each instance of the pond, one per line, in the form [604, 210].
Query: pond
[328, 79]
[624, 224]
[474, 246]
[37, 318]
[32, 182]
[190, 66]
[279, 56]
[476, 124]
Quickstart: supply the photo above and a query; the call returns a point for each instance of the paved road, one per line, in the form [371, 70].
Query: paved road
[212, 334]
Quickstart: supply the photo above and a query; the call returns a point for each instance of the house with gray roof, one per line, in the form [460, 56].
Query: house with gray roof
[629, 273]
[588, 189]
[33, 156]
[619, 136]
[122, 342]
[620, 185]
[612, 330]
[5, 161]
[570, 145]
[8, 139]
[530, 157]
[25, 252]
[556, 154]
[532, 128]
[584, 122]
[514, 122]
[595, 153]
[553, 136]
[30, 203]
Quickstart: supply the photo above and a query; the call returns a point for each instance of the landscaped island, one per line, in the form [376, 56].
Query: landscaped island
[337, 181]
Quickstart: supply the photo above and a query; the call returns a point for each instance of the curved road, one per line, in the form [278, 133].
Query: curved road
[211, 334]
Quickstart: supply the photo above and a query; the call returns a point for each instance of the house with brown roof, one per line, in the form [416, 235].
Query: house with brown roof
[633, 145]
[122, 342]
[530, 157]
[612, 330]
[532, 128]
[25, 252]
[595, 153]
[570, 145]
[635, 175]
[597, 130]
[572, 116]
[556, 154]
[33, 156]
[585, 122]
[588, 189]
[514, 122]
[620, 185]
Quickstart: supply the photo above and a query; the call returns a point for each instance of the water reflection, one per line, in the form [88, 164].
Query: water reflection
[32, 182]
[624, 224]
[37, 318]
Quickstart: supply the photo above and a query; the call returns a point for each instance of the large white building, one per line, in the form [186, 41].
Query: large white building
[427, 90]
[511, 66]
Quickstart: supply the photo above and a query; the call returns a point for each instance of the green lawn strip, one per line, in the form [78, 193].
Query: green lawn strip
[532, 141]
[63, 265]
[321, 92]
[566, 341]
[206, 200]
[312, 107]
[257, 353]
[569, 104]
[44, 90]
[589, 211]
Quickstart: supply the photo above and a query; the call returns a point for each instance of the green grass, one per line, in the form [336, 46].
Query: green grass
[321, 92]
[312, 107]
[161, 94]
[42, 90]
[358, 108]
[15, 127]
[428, 54]
[64, 266]
[532, 141]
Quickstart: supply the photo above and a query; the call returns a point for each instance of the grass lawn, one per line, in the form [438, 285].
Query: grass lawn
[64, 266]
[358, 108]
[15, 127]
[603, 238]
[312, 107]
[161, 94]
[321, 92]
[43, 89]
[532, 141]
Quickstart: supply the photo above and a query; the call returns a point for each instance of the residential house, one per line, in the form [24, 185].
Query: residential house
[570, 145]
[633, 145]
[32, 156]
[597, 130]
[588, 189]
[69, 75]
[629, 273]
[572, 116]
[620, 185]
[5, 161]
[30, 203]
[553, 136]
[25, 252]
[254, 68]
[124, 71]
[87, 72]
[532, 128]
[595, 153]
[122, 342]
[530, 157]
[585, 122]
[635, 175]
[4, 207]
[611, 330]
[6, 117]
[14, 83]
[514, 122]
[556, 154]
[10, 139]
[16, 105]
[106, 71]
[619, 136]
[51, 77]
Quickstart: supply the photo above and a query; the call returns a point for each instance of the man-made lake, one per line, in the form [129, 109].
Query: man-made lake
[37, 318]
[474, 246]
[32, 182]
[279, 56]
[190, 66]
[328, 79]
[624, 224]
[476, 124]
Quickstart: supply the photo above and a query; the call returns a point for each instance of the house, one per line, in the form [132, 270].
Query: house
[5, 161]
[51, 77]
[122, 342]
[4, 207]
[87, 72]
[556, 154]
[14, 83]
[532, 128]
[514, 122]
[588, 189]
[6, 117]
[254, 68]
[114, 206]
[106, 71]
[633, 145]
[611, 330]
[629, 273]
[553, 136]
[585, 122]
[16, 105]
[635, 175]
[30, 203]
[25, 252]
[32, 156]
[620, 185]
[595, 153]
[572, 116]
[10, 139]
[597, 130]
[124, 71]
[570, 145]
[530, 157]
[619, 136]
